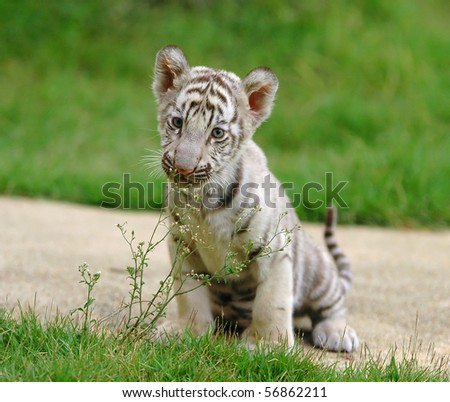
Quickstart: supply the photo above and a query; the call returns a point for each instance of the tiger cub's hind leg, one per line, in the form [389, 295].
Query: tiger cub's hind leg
[334, 334]
[330, 328]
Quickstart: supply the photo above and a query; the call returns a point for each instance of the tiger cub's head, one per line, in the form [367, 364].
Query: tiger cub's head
[206, 115]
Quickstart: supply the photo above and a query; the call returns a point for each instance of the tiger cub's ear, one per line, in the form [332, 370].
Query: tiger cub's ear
[260, 86]
[170, 68]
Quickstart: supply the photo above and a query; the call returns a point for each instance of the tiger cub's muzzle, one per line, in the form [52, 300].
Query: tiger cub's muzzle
[179, 173]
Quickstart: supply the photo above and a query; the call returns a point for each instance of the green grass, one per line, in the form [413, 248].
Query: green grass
[363, 93]
[59, 351]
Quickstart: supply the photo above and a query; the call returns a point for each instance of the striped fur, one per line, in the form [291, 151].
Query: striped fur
[222, 196]
[341, 260]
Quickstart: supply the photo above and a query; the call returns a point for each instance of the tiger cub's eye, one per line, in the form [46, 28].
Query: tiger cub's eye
[217, 133]
[177, 122]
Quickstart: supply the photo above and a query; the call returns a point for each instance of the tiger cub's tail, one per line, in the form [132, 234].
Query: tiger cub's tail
[341, 260]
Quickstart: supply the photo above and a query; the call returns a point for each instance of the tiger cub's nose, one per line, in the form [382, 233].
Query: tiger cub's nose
[183, 171]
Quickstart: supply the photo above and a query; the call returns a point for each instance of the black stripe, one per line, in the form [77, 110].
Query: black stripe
[209, 107]
[241, 133]
[220, 80]
[247, 298]
[332, 247]
[202, 79]
[235, 116]
[255, 252]
[329, 233]
[220, 109]
[223, 298]
[200, 90]
[192, 105]
[322, 310]
[233, 140]
[324, 290]
[175, 217]
[221, 97]
[243, 291]
[217, 92]
[301, 312]
[182, 107]
[166, 162]
[242, 312]
[232, 189]
[346, 276]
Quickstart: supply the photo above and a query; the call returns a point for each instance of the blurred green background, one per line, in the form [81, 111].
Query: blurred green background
[364, 93]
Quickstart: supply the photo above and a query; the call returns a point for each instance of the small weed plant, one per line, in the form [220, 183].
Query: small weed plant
[142, 313]
[90, 280]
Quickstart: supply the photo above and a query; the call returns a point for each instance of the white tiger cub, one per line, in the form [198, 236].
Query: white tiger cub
[206, 120]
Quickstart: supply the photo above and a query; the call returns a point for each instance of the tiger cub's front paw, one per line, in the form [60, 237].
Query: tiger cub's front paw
[266, 340]
[335, 335]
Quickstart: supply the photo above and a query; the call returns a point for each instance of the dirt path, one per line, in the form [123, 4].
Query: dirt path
[400, 295]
